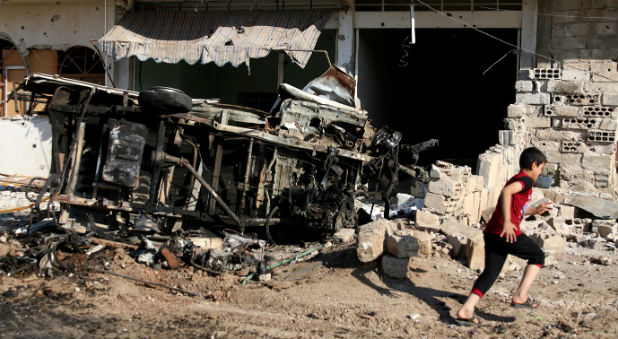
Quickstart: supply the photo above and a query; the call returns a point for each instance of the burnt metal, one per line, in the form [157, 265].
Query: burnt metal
[128, 163]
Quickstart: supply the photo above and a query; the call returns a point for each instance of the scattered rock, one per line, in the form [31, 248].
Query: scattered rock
[344, 235]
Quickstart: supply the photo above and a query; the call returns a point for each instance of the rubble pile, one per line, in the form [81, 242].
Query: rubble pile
[395, 242]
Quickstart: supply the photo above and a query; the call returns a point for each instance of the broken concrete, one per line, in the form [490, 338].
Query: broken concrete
[395, 267]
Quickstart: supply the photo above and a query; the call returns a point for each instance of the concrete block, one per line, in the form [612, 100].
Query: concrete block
[395, 267]
[597, 163]
[426, 220]
[517, 111]
[552, 243]
[450, 227]
[562, 111]
[608, 124]
[370, 244]
[424, 242]
[538, 122]
[604, 71]
[524, 86]
[532, 98]
[601, 88]
[551, 134]
[443, 187]
[402, 245]
[344, 235]
[609, 99]
[575, 75]
[565, 211]
[475, 253]
[435, 202]
[563, 86]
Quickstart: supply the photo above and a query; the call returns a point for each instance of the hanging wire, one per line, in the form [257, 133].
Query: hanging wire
[405, 47]
[504, 56]
[510, 44]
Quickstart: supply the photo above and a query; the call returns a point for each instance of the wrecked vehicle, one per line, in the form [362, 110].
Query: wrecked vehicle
[157, 160]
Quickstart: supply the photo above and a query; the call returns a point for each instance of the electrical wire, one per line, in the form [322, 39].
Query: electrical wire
[405, 47]
[508, 43]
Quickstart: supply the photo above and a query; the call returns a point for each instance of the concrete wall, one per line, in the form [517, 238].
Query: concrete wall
[55, 24]
[566, 106]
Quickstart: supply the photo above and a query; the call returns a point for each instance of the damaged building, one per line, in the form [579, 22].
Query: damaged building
[486, 79]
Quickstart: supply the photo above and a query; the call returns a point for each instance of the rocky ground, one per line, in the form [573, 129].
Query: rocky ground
[326, 294]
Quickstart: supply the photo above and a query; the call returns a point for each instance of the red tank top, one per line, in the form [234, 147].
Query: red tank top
[519, 203]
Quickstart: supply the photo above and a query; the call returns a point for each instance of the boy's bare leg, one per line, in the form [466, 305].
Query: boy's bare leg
[521, 295]
[467, 310]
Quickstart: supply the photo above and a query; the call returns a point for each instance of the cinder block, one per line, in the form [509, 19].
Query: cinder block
[605, 88]
[435, 202]
[576, 99]
[604, 71]
[561, 111]
[538, 122]
[402, 245]
[608, 124]
[596, 163]
[580, 123]
[395, 267]
[443, 187]
[601, 136]
[552, 243]
[524, 86]
[532, 98]
[609, 99]
[426, 220]
[517, 111]
[475, 253]
[562, 86]
[599, 111]
[570, 146]
[575, 75]
[546, 73]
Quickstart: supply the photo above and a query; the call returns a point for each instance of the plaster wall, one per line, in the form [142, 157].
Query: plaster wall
[54, 24]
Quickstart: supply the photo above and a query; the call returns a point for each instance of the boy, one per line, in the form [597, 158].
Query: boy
[502, 237]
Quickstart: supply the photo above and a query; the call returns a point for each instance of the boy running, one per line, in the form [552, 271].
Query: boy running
[502, 236]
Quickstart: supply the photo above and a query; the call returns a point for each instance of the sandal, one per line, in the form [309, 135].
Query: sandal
[529, 304]
[474, 321]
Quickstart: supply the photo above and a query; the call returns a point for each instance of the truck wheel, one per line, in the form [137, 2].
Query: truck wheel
[165, 100]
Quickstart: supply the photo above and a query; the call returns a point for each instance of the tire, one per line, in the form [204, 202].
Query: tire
[165, 100]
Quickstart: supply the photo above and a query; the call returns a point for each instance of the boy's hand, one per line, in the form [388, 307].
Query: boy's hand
[544, 207]
[508, 231]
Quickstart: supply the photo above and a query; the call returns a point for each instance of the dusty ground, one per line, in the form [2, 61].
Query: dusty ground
[328, 295]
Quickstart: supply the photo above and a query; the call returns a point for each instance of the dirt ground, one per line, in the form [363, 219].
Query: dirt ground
[329, 295]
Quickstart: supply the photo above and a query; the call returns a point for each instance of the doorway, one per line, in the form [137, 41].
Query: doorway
[446, 86]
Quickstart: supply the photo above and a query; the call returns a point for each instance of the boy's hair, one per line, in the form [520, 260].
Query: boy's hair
[531, 155]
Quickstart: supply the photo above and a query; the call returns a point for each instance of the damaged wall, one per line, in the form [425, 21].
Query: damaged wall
[567, 107]
[54, 24]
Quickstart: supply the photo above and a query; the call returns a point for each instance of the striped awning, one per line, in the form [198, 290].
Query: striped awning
[214, 36]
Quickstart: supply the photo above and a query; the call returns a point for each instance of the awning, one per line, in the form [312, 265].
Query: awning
[214, 36]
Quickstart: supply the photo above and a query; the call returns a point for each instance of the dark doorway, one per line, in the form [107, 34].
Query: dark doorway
[436, 87]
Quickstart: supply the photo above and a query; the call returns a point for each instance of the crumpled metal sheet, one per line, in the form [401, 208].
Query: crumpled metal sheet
[598, 207]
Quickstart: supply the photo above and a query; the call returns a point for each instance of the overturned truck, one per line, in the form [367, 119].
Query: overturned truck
[157, 160]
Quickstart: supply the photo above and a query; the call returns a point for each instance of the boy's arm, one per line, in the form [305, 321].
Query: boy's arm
[539, 209]
[508, 229]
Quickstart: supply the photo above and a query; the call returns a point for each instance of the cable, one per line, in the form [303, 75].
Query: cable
[405, 47]
[508, 43]
[504, 56]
